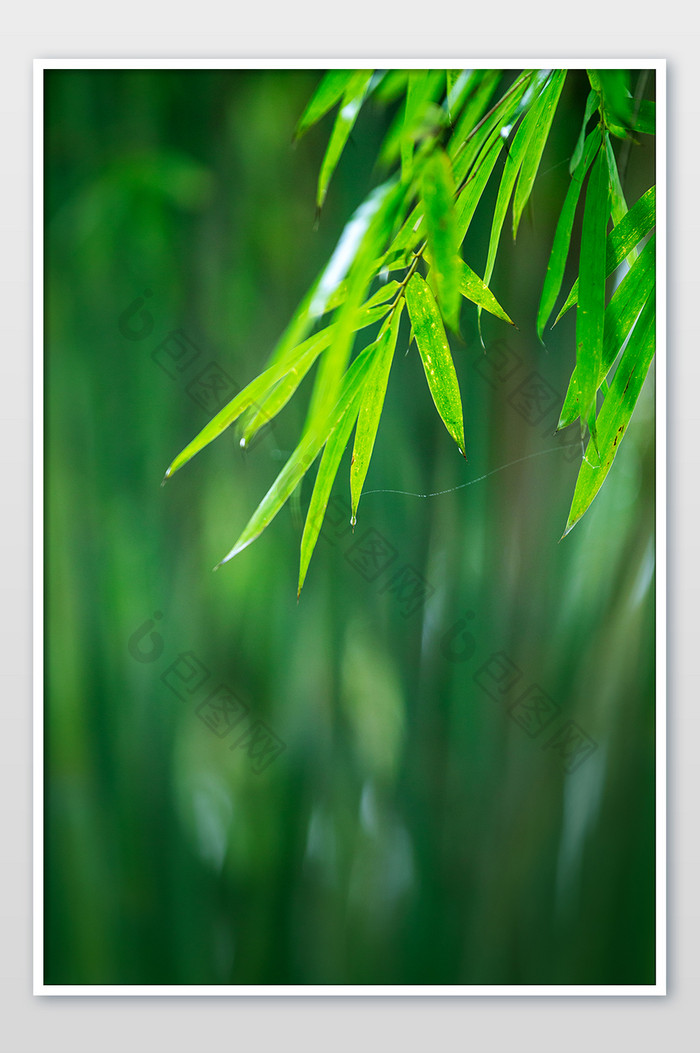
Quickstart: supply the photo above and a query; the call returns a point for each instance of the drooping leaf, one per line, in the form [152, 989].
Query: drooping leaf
[475, 183]
[369, 314]
[616, 411]
[562, 235]
[590, 315]
[330, 90]
[435, 354]
[633, 226]
[591, 104]
[352, 100]
[371, 409]
[303, 456]
[472, 288]
[327, 471]
[627, 301]
[546, 108]
[376, 220]
[438, 192]
[423, 87]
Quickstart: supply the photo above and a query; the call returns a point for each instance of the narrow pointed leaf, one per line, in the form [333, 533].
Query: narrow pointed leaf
[616, 411]
[351, 104]
[590, 315]
[268, 408]
[473, 187]
[438, 194]
[545, 108]
[435, 354]
[627, 301]
[329, 92]
[303, 457]
[633, 226]
[371, 409]
[472, 287]
[591, 104]
[562, 236]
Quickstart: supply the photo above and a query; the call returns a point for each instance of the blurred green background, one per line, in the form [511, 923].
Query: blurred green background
[434, 817]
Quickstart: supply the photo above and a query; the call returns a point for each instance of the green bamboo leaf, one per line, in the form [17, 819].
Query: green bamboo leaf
[371, 409]
[475, 128]
[370, 313]
[438, 194]
[546, 108]
[590, 315]
[353, 97]
[633, 226]
[627, 301]
[591, 104]
[645, 121]
[616, 411]
[327, 471]
[474, 185]
[511, 169]
[375, 223]
[562, 236]
[303, 456]
[472, 287]
[436, 357]
[330, 90]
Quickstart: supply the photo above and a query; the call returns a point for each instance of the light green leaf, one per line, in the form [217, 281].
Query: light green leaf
[546, 107]
[353, 97]
[279, 396]
[633, 226]
[475, 183]
[616, 411]
[472, 287]
[436, 357]
[438, 195]
[371, 408]
[562, 236]
[627, 301]
[590, 315]
[330, 90]
[303, 456]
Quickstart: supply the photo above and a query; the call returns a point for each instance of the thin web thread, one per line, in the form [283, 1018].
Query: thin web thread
[471, 482]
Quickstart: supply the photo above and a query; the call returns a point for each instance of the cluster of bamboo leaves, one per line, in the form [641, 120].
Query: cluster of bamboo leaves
[402, 251]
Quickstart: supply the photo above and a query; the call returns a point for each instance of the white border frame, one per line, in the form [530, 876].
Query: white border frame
[229, 990]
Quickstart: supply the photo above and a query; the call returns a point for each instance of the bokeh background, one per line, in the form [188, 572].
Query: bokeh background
[453, 789]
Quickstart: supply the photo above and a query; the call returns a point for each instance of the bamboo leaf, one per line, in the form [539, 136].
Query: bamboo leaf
[590, 315]
[562, 236]
[475, 184]
[472, 287]
[436, 357]
[353, 97]
[303, 456]
[545, 108]
[371, 409]
[330, 90]
[591, 104]
[616, 411]
[327, 471]
[268, 408]
[438, 193]
[633, 226]
[627, 301]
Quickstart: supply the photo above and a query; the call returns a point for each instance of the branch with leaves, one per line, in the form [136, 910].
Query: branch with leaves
[402, 248]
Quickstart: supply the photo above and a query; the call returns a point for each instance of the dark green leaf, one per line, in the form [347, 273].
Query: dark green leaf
[562, 236]
[616, 411]
[627, 301]
[590, 315]
[633, 226]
